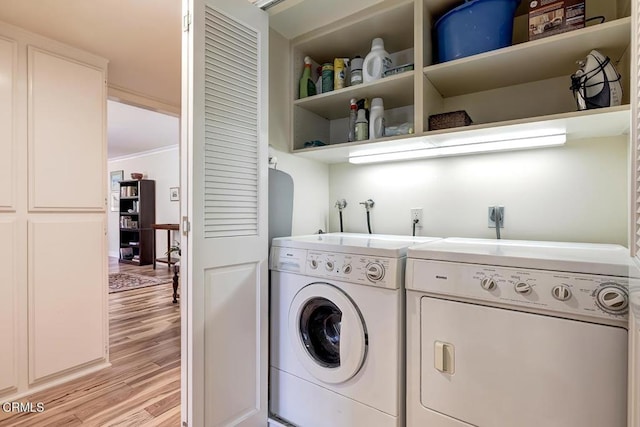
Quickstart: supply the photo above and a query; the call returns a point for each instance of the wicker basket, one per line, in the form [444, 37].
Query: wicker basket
[453, 119]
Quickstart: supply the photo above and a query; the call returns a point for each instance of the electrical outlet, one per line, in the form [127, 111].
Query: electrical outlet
[492, 216]
[416, 213]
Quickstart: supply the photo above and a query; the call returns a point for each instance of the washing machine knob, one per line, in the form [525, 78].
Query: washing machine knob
[328, 265]
[523, 288]
[346, 269]
[561, 292]
[313, 263]
[374, 271]
[612, 299]
[488, 284]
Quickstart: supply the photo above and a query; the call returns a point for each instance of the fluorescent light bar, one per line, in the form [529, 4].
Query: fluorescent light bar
[458, 150]
[398, 145]
[265, 4]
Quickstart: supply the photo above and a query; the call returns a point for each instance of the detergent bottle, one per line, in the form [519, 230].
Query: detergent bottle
[376, 119]
[376, 62]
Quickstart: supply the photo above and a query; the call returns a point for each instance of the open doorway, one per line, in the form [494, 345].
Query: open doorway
[144, 320]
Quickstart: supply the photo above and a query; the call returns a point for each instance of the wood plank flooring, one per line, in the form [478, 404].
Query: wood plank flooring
[142, 387]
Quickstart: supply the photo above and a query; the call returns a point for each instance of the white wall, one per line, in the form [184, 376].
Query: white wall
[310, 178]
[310, 192]
[279, 91]
[573, 193]
[163, 167]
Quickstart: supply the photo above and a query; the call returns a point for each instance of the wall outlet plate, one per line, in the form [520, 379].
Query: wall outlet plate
[416, 213]
[492, 216]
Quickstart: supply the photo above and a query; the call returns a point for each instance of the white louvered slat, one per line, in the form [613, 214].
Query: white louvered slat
[231, 128]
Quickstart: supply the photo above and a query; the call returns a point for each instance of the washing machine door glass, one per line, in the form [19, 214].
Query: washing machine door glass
[328, 333]
[320, 331]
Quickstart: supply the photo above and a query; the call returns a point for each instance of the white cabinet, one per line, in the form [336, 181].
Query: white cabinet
[53, 310]
[66, 298]
[8, 306]
[525, 85]
[66, 100]
[8, 70]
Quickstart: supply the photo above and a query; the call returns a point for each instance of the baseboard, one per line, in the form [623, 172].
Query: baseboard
[56, 382]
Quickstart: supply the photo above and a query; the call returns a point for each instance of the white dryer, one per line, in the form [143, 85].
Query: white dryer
[515, 333]
[336, 324]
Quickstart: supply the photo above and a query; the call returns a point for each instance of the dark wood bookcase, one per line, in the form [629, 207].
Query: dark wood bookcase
[137, 214]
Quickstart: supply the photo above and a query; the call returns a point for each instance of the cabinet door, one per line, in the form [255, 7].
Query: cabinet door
[67, 292]
[66, 133]
[8, 307]
[224, 164]
[8, 76]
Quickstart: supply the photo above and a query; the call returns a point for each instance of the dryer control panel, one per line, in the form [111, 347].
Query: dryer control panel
[582, 295]
[363, 269]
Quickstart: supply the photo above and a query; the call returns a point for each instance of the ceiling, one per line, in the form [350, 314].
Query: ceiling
[140, 38]
[134, 130]
[142, 41]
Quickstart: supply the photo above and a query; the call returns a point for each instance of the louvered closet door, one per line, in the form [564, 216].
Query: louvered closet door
[225, 165]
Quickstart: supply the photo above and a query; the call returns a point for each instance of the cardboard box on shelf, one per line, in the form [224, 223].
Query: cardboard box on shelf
[549, 17]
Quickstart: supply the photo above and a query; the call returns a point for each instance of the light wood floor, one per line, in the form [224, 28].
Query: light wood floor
[142, 387]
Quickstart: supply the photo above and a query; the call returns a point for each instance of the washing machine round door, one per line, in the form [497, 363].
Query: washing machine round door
[328, 333]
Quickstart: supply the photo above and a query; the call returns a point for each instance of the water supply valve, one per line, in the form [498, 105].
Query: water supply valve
[368, 204]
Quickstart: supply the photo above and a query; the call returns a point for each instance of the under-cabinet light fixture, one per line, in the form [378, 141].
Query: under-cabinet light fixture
[459, 150]
[265, 4]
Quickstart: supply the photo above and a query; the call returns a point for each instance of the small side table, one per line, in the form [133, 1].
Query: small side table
[168, 260]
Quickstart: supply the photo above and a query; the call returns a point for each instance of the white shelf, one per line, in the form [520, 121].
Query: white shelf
[339, 153]
[390, 20]
[612, 121]
[531, 61]
[396, 91]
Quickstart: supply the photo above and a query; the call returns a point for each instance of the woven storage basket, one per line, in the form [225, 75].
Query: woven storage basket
[452, 119]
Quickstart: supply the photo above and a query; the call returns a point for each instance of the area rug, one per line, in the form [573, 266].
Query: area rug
[119, 282]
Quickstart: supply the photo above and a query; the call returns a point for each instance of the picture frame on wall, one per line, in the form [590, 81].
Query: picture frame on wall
[116, 177]
[115, 202]
[174, 194]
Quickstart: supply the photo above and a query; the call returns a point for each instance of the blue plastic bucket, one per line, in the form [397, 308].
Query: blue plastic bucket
[476, 26]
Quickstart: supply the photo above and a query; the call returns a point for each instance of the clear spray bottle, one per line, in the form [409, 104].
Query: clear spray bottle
[353, 114]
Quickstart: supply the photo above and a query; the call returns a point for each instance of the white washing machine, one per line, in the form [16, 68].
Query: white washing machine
[514, 333]
[337, 335]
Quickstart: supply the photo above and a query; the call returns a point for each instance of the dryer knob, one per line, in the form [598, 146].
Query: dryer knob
[612, 299]
[375, 271]
[347, 269]
[313, 263]
[561, 292]
[328, 265]
[488, 284]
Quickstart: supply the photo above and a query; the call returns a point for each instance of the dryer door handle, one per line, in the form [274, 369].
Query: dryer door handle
[444, 357]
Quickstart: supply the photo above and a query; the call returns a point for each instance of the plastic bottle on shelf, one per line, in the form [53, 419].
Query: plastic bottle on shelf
[353, 114]
[356, 71]
[307, 86]
[376, 62]
[376, 119]
[327, 77]
[339, 72]
[362, 126]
